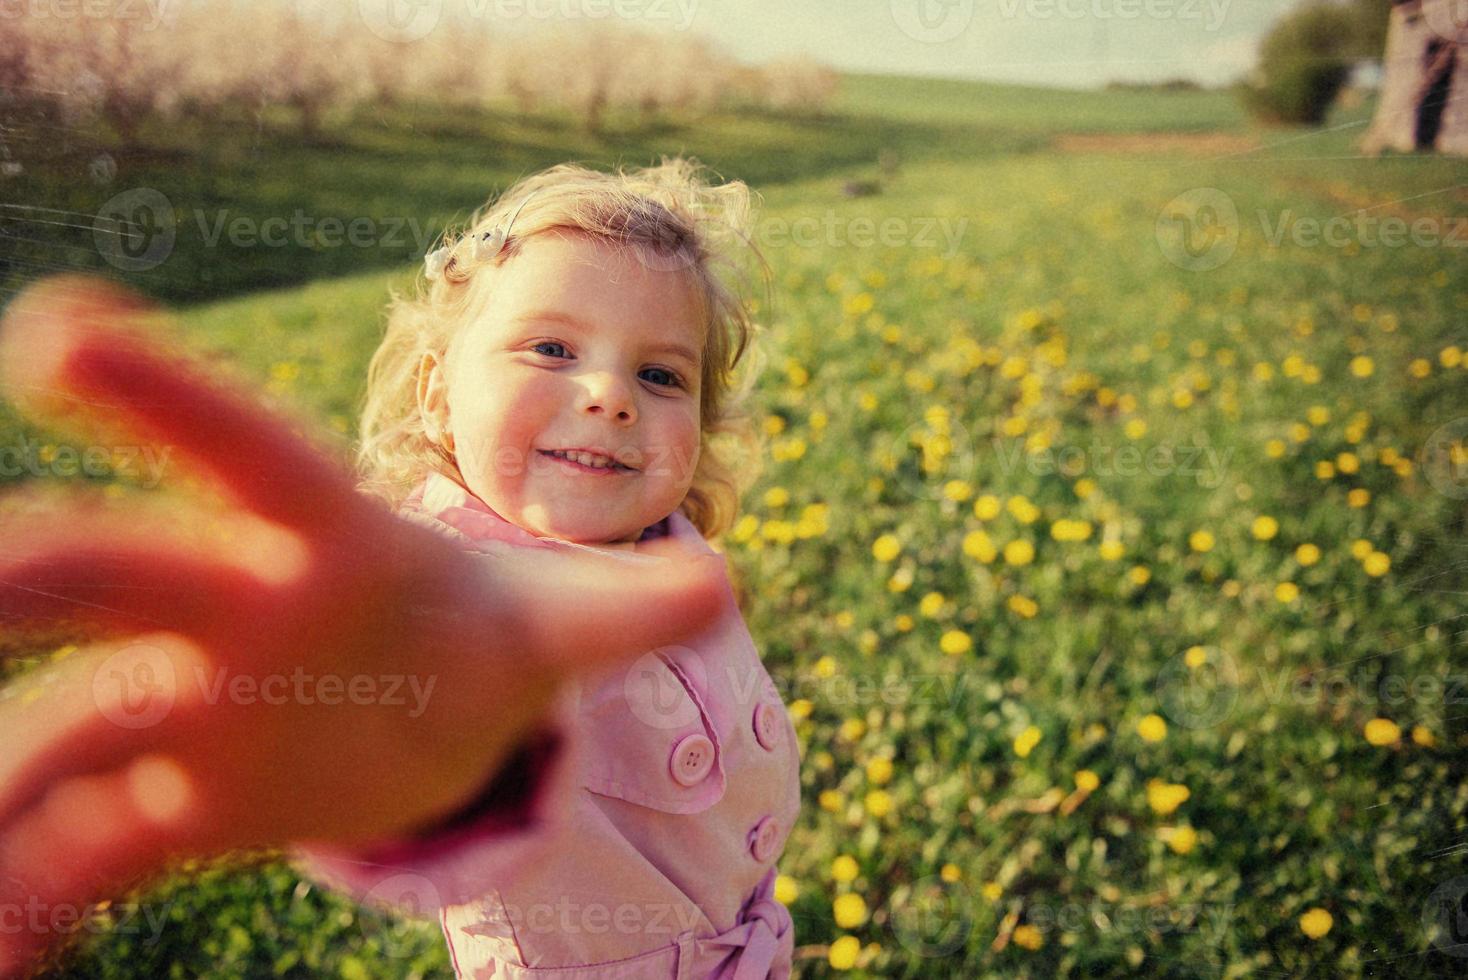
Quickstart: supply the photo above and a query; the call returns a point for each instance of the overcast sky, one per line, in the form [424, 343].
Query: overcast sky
[1072, 43]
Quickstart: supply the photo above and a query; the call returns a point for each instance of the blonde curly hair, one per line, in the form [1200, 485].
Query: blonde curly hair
[673, 217]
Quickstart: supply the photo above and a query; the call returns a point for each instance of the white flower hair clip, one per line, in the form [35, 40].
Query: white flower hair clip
[486, 246]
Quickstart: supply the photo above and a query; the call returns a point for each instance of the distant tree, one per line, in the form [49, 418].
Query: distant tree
[1303, 63]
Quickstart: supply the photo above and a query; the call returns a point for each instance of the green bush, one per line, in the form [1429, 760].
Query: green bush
[1303, 62]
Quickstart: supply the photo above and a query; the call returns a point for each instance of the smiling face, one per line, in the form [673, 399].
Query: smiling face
[578, 347]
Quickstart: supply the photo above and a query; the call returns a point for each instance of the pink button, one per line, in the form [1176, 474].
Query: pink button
[763, 838]
[692, 759]
[767, 725]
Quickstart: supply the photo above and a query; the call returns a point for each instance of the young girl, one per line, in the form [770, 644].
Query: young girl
[562, 381]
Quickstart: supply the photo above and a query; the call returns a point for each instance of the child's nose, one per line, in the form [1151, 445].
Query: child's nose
[608, 396]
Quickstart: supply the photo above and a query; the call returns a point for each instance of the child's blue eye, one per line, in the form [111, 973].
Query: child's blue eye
[664, 377]
[550, 343]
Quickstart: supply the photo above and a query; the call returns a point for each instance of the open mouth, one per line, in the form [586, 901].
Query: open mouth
[587, 461]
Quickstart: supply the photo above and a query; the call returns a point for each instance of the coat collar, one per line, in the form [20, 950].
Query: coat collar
[442, 498]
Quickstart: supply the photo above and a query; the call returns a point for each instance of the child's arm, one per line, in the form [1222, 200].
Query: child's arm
[241, 693]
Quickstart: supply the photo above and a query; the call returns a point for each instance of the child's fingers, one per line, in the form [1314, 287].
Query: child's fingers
[574, 610]
[124, 574]
[81, 348]
[92, 712]
[89, 840]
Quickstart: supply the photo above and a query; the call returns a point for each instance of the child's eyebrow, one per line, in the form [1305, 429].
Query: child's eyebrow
[556, 316]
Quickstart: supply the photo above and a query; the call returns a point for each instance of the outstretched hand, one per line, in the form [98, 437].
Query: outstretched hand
[297, 664]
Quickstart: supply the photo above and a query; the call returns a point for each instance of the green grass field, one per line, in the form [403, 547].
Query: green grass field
[1118, 597]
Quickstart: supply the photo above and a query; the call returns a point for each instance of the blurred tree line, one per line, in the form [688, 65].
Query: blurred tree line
[1308, 56]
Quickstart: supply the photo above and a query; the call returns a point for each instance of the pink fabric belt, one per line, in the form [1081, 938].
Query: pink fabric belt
[764, 938]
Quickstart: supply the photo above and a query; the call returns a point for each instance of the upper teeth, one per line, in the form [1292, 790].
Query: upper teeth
[585, 459]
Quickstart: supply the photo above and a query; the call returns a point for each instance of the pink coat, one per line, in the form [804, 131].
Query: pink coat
[636, 835]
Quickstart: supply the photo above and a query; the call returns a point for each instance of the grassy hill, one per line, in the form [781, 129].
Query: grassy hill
[1164, 611]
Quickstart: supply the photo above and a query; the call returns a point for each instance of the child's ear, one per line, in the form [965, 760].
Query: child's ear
[433, 401]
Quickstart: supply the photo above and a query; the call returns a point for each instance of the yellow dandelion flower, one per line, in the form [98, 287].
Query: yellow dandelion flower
[1152, 728]
[950, 873]
[1201, 541]
[1362, 366]
[800, 709]
[1423, 736]
[774, 425]
[1026, 741]
[1164, 798]
[844, 952]
[1112, 550]
[1022, 510]
[1265, 527]
[1140, 574]
[931, 604]
[1287, 592]
[1181, 839]
[1348, 462]
[1195, 657]
[903, 622]
[1274, 448]
[1360, 548]
[1135, 428]
[844, 869]
[879, 771]
[786, 889]
[1084, 487]
[886, 548]
[1450, 357]
[1028, 936]
[1420, 368]
[959, 490]
[987, 507]
[1324, 470]
[1358, 497]
[1376, 564]
[977, 545]
[1317, 415]
[1087, 781]
[1019, 552]
[1307, 554]
[832, 800]
[1382, 731]
[853, 729]
[955, 642]
[1316, 923]
[878, 803]
[1023, 606]
[777, 497]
